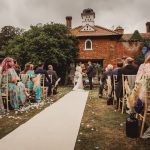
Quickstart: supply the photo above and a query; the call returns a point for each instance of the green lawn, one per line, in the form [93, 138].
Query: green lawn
[104, 129]
[11, 121]
[101, 127]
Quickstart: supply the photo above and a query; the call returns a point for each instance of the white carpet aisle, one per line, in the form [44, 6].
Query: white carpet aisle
[55, 128]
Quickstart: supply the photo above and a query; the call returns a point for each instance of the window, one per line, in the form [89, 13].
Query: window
[88, 45]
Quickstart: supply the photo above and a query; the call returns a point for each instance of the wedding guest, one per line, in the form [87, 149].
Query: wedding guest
[90, 74]
[78, 81]
[47, 80]
[33, 79]
[142, 82]
[129, 68]
[52, 73]
[1, 102]
[17, 92]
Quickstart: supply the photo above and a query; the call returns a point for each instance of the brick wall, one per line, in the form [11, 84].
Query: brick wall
[107, 49]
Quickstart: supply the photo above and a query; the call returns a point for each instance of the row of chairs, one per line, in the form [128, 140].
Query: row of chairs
[25, 79]
[128, 82]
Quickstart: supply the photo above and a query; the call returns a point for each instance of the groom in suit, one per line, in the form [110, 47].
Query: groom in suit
[90, 74]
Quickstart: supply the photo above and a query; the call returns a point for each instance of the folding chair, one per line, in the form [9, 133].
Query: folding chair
[56, 84]
[25, 78]
[114, 84]
[128, 82]
[43, 88]
[146, 105]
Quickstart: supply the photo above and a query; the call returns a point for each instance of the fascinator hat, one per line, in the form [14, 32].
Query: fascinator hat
[146, 51]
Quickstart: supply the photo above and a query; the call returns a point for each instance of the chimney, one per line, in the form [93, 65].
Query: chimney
[68, 21]
[119, 29]
[148, 27]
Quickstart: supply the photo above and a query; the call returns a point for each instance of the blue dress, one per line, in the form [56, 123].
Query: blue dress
[37, 90]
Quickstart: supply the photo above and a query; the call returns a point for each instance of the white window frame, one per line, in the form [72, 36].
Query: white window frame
[88, 40]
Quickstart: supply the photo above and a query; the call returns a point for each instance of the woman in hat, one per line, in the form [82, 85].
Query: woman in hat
[142, 80]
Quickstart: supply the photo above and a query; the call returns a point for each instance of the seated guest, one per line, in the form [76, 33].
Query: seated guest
[17, 91]
[141, 83]
[52, 73]
[47, 80]
[17, 67]
[1, 102]
[33, 79]
[53, 76]
[129, 68]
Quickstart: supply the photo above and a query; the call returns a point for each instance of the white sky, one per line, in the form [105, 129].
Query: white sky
[130, 14]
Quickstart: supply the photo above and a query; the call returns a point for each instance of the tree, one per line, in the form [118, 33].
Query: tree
[136, 36]
[140, 57]
[49, 43]
[7, 33]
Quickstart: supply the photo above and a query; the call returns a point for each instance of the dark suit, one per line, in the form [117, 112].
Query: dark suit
[90, 75]
[47, 81]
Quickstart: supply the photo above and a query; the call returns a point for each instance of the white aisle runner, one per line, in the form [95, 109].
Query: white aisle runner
[55, 128]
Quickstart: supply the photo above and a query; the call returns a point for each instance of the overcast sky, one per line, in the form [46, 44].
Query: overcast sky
[130, 14]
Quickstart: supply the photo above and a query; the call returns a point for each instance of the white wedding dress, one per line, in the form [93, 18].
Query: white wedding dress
[78, 81]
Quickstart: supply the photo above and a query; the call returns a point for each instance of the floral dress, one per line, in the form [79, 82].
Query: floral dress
[1, 102]
[17, 92]
[36, 89]
[142, 84]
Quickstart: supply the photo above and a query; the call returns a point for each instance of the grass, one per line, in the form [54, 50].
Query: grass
[101, 127]
[11, 121]
[104, 129]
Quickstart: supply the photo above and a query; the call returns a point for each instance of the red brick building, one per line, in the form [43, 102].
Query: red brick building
[103, 45]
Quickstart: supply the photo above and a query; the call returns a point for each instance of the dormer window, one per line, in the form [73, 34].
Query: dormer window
[88, 45]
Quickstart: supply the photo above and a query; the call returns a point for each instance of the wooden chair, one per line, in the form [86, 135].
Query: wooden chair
[43, 88]
[143, 116]
[146, 111]
[25, 78]
[56, 84]
[128, 82]
[5, 94]
[114, 84]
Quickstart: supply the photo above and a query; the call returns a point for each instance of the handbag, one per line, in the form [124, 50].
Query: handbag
[139, 107]
[110, 101]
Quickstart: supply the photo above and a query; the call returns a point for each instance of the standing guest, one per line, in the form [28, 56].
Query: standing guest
[90, 74]
[84, 77]
[78, 81]
[103, 78]
[119, 87]
[16, 90]
[108, 73]
[47, 80]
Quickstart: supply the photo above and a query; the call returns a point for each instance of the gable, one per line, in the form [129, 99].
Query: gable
[95, 30]
[87, 28]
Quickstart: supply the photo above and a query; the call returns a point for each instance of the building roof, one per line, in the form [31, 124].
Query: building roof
[127, 37]
[98, 31]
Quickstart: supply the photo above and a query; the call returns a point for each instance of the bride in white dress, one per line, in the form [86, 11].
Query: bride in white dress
[78, 81]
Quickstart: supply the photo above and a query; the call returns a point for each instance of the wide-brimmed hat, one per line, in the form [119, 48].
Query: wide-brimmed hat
[129, 59]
